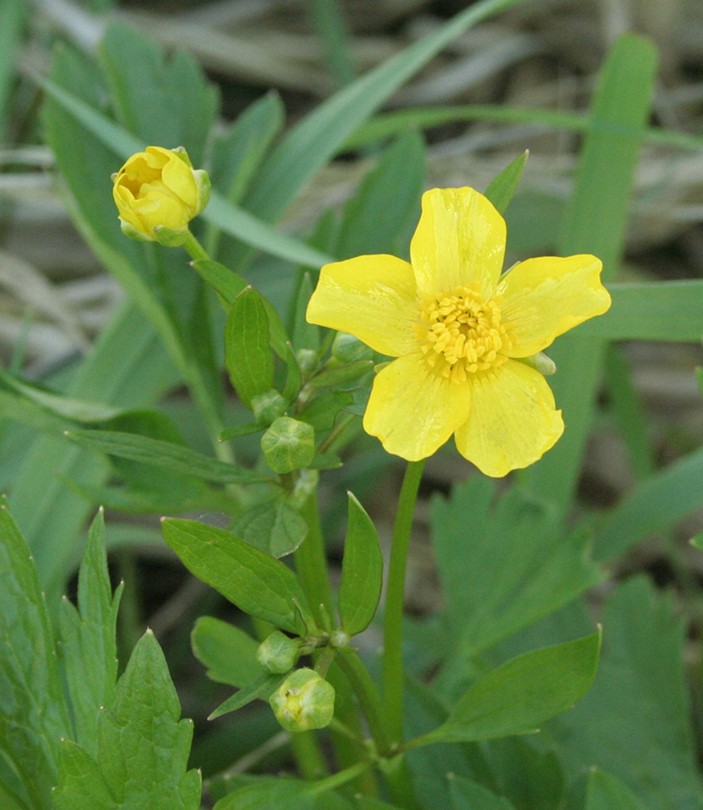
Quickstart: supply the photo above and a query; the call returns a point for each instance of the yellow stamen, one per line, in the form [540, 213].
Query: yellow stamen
[462, 334]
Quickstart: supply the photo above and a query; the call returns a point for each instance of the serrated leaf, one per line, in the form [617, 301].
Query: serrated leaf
[505, 567]
[468, 795]
[274, 527]
[228, 652]
[247, 354]
[605, 792]
[362, 571]
[522, 694]
[143, 746]
[501, 189]
[250, 579]
[636, 720]
[164, 454]
[88, 647]
[33, 716]
[260, 689]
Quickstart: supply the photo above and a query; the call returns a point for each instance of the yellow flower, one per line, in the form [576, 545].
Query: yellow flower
[459, 330]
[159, 189]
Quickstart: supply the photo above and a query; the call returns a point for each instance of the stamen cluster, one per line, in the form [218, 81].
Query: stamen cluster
[462, 334]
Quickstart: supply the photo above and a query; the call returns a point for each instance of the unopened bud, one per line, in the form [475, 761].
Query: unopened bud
[349, 349]
[278, 653]
[288, 445]
[268, 407]
[303, 701]
[307, 360]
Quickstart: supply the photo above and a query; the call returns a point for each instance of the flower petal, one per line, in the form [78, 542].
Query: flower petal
[414, 411]
[371, 297]
[459, 240]
[543, 298]
[513, 421]
[178, 178]
[160, 208]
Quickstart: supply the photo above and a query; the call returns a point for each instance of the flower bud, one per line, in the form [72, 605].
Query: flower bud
[288, 445]
[278, 653]
[540, 362]
[157, 193]
[303, 701]
[268, 407]
[348, 349]
[307, 360]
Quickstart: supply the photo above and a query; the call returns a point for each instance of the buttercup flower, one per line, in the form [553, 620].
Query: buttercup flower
[459, 330]
[158, 190]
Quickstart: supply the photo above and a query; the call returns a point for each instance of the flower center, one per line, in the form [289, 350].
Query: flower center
[462, 334]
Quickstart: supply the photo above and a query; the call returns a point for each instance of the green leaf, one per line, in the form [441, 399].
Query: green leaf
[143, 79]
[596, 222]
[237, 155]
[284, 794]
[341, 375]
[653, 506]
[382, 214]
[305, 335]
[519, 696]
[362, 571]
[324, 409]
[88, 647]
[468, 795]
[164, 454]
[250, 579]
[143, 746]
[128, 368]
[605, 792]
[227, 284]
[260, 689]
[247, 354]
[636, 720]
[33, 716]
[665, 311]
[311, 143]
[274, 527]
[503, 566]
[228, 652]
[502, 188]
[58, 404]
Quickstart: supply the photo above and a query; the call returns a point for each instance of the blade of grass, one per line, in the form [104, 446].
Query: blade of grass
[596, 221]
[11, 27]
[331, 29]
[311, 143]
[387, 125]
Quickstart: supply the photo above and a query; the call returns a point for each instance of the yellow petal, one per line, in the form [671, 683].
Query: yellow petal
[157, 157]
[412, 410]
[178, 177]
[159, 208]
[513, 421]
[543, 298]
[459, 240]
[371, 297]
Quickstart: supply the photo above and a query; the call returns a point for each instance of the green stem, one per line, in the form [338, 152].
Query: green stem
[194, 248]
[308, 755]
[311, 563]
[393, 678]
[341, 778]
[367, 694]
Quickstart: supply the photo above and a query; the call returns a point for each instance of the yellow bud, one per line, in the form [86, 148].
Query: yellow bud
[158, 190]
[303, 701]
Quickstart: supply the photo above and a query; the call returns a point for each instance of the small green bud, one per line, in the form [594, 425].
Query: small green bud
[303, 487]
[288, 445]
[349, 349]
[268, 407]
[307, 360]
[278, 653]
[540, 362]
[303, 701]
[338, 638]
